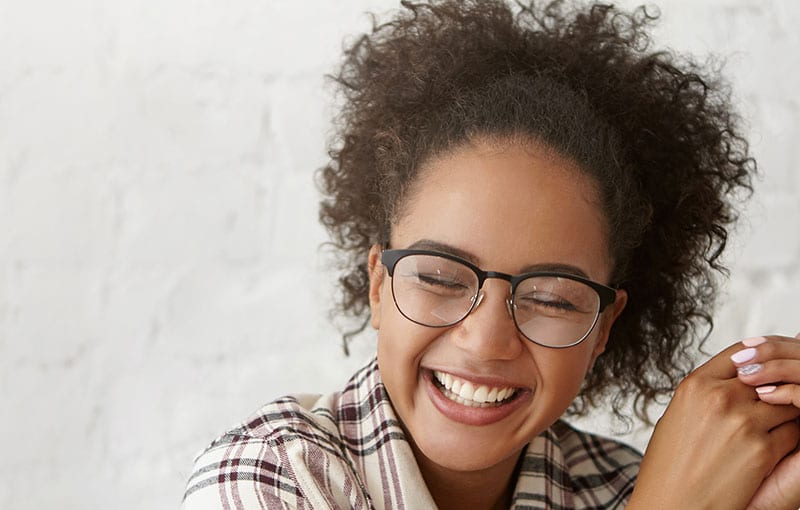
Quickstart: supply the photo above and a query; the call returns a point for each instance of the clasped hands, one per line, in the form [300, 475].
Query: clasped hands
[729, 437]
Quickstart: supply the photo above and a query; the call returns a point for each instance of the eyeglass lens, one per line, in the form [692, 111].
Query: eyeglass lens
[549, 310]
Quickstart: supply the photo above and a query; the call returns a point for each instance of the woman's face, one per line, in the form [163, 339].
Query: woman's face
[507, 208]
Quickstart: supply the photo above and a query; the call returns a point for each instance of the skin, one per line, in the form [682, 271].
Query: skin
[476, 200]
[719, 445]
[779, 358]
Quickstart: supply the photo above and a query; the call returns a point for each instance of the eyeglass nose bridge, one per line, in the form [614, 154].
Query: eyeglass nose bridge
[481, 293]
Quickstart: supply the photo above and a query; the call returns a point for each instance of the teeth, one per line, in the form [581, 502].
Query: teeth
[464, 392]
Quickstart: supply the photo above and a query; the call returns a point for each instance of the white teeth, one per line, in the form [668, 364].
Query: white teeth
[464, 392]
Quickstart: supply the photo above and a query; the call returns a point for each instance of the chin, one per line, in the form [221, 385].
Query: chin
[459, 455]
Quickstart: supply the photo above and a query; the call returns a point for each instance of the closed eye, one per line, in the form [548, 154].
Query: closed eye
[438, 281]
[551, 301]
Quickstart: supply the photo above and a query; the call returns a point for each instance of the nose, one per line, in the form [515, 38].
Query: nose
[488, 332]
[479, 300]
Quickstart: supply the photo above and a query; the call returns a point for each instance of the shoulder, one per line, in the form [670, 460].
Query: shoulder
[290, 453]
[602, 471]
[590, 453]
[577, 469]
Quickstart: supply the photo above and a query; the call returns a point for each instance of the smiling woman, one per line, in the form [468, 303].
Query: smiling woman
[478, 200]
[531, 205]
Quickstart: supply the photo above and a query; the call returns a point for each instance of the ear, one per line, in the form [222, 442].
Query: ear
[376, 277]
[607, 320]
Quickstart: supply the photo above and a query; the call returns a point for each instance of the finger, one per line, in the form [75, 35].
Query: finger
[770, 372]
[720, 366]
[764, 360]
[767, 415]
[769, 347]
[750, 351]
[732, 399]
[783, 440]
[763, 348]
[785, 394]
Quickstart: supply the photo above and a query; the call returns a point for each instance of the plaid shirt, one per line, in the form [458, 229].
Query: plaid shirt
[348, 450]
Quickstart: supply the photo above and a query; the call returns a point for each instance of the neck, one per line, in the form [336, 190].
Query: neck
[490, 488]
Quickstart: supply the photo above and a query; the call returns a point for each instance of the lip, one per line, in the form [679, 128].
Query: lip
[478, 380]
[478, 416]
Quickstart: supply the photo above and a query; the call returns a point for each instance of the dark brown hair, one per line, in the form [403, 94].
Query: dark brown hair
[656, 132]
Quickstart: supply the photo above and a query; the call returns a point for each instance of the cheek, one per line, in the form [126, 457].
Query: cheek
[401, 346]
[400, 341]
[562, 371]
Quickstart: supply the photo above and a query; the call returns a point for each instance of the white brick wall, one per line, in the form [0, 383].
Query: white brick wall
[160, 275]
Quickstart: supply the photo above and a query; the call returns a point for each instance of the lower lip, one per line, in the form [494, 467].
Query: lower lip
[472, 415]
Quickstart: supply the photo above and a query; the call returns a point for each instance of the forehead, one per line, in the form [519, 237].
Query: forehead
[507, 203]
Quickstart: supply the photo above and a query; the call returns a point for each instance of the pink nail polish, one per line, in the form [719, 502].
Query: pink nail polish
[744, 355]
[752, 342]
[749, 369]
[763, 390]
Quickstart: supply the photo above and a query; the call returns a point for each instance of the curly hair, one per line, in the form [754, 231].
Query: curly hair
[656, 131]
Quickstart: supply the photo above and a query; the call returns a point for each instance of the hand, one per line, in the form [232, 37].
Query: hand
[715, 443]
[774, 369]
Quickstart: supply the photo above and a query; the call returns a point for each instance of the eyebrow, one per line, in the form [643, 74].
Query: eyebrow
[555, 267]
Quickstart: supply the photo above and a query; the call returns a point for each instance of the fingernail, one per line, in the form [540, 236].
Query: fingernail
[743, 355]
[749, 369]
[763, 390]
[752, 342]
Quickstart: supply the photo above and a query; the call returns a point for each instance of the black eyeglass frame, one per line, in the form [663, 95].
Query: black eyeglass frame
[390, 258]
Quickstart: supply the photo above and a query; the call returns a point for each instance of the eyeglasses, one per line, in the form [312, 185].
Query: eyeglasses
[549, 308]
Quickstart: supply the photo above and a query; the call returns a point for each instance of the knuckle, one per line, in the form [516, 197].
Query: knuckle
[766, 350]
[691, 386]
[795, 395]
[721, 399]
[762, 455]
[745, 425]
[782, 370]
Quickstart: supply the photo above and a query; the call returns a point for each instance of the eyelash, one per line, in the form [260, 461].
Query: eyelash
[559, 304]
[439, 282]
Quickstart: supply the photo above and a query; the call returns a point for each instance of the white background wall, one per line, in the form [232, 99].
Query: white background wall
[160, 276]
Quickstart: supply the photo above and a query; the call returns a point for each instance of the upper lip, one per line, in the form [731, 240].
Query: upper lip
[481, 380]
